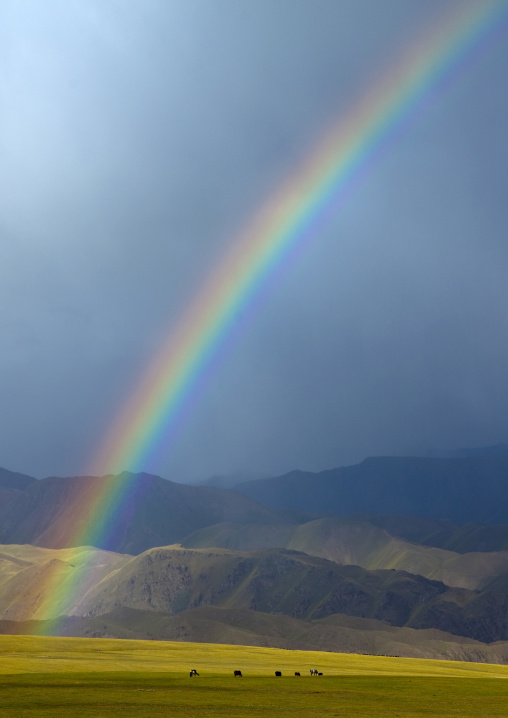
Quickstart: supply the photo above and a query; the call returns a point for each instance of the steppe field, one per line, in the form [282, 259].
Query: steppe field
[74, 677]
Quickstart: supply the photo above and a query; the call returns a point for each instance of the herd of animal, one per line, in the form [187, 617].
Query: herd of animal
[278, 674]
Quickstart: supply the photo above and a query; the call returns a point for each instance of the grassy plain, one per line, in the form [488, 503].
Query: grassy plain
[75, 678]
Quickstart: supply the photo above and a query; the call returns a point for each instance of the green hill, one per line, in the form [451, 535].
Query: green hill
[243, 627]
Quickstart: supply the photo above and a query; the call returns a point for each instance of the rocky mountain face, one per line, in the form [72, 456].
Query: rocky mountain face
[348, 540]
[172, 580]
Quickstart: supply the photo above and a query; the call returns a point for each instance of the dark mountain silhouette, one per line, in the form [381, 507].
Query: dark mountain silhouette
[14, 480]
[437, 496]
[228, 481]
[459, 489]
[449, 535]
[53, 512]
[478, 451]
[12, 485]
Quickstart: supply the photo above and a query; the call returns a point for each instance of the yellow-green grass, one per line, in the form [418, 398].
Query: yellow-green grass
[75, 677]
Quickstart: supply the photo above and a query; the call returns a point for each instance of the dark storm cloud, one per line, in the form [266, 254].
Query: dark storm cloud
[137, 138]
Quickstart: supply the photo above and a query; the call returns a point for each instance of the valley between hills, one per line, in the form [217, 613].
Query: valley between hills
[305, 561]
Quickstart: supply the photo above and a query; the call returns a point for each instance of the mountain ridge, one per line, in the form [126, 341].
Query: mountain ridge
[358, 542]
[307, 547]
[457, 489]
[53, 512]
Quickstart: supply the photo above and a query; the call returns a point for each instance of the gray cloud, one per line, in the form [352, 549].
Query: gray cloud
[137, 139]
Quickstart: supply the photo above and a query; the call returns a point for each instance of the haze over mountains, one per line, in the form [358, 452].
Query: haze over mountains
[158, 512]
[404, 545]
[460, 489]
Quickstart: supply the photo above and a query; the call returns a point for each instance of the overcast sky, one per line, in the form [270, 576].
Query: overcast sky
[139, 136]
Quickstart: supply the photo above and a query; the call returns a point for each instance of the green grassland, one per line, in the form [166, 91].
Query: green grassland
[73, 677]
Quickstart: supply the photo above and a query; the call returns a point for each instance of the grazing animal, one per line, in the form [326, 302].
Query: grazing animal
[238, 674]
[278, 673]
[320, 674]
[296, 673]
[313, 672]
[193, 673]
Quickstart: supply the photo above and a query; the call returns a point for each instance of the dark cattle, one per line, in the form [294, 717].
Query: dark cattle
[238, 674]
[320, 674]
[278, 674]
[296, 673]
[193, 673]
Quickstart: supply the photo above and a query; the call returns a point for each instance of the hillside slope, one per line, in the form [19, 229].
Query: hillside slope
[209, 624]
[55, 512]
[171, 580]
[12, 485]
[39, 582]
[15, 480]
[349, 541]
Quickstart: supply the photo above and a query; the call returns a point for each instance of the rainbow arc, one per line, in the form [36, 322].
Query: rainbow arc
[146, 423]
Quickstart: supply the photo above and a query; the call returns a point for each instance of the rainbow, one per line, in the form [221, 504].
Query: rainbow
[145, 424]
[171, 384]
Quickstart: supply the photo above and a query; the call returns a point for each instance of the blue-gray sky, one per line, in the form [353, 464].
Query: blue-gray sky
[138, 137]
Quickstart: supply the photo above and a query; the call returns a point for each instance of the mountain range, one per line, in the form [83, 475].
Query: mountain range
[159, 512]
[373, 556]
[457, 489]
